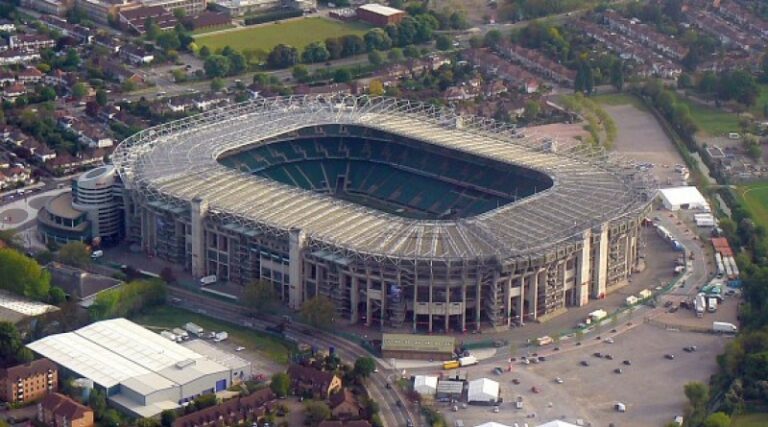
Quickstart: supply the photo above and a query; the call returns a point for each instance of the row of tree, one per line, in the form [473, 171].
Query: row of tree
[128, 300]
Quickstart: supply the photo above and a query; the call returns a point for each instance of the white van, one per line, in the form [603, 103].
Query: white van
[97, 254]
[679, 420]
[208, 280]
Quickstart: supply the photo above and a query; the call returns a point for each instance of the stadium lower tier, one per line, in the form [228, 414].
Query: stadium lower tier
[401, 293]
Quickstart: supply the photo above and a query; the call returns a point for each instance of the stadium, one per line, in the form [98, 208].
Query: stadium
[403, 214]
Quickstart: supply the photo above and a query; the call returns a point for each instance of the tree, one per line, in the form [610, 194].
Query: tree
[71, 60]
[442, 42]
[204, 52]
[260, 297]
[376, 88]
[75, 254]
[101, 97]
[205, 401]
[216, 66]
[179, 13]
[375, 58]
[111, 418]
[364, 366]
[168, 40]
[315, 52]
[395, 55]
[98, 402]
[411, 51]
[10, 343]
[280, 384]
[377, 39]
[22, 275]
[617, 74]
[319, 312]
[282, 56]
[316, 412]
[532, 110]
[300, 72]
[334, 47]
[718, 419]
[492, 38]
[167, 417]
[56, 295]
[342, 75]
[79, 90]
[148, 422]
[352, 44]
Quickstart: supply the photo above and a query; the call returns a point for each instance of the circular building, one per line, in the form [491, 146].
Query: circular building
[401, 213]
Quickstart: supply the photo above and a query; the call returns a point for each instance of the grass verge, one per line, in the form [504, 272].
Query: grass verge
[754, 197]
[750, 420]
[167, 317]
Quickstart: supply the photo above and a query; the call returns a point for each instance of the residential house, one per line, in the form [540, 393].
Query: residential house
[78, 32]
[30, 75]
[344, 405]
[30, 42]
[120, 73]
[537, 62]
[14, 136]
[30, 381]
[7, 78]
[51, 7]
[18, 56]
[458, 93]
[91, 135]
[57, 410]
[207, 20]
[44, 154]
[58, 77]
[136, 55]
[744, 18]
[231, 412]
[7, 26]
[102, 11]
[112, 44]
[308, 380]
[10, 93]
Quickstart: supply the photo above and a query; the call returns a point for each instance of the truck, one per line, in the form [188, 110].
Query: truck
[451, 364]
[468, 361]
[194, 329]
[181, 333]
[208, 280]
[220, 336]
[598, 315]
[711, 304]
[724, 327]
[700, 305]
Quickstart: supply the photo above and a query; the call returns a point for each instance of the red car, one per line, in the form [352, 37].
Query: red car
[534, 389]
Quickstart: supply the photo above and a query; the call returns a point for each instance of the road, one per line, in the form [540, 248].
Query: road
[392, 415]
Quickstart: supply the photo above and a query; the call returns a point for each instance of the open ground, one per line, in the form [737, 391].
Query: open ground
[755, 199]
[750, 420]
[641, 138]
[296, 32]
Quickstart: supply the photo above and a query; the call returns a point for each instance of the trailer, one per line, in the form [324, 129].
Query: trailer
[711, 304]
[724, 327]
[727, 265]
[700, 305]
[468, 361]
[735, 268]
[169, 336]
[720, 266]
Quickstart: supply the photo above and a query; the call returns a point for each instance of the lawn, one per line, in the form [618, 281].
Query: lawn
[750, 420]
[711, 121]
[762, 99]
[620, 99]
[755, 199]
[296, 32]
[171, 317]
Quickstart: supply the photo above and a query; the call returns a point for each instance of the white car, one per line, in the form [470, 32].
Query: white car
[608, 340]
[239, 348]
[559, 380]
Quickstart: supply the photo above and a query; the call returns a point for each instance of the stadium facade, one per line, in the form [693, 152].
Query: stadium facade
[403, 214]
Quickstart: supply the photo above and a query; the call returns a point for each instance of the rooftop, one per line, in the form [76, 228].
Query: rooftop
[380, 9]
[426, 343]
[14, 308]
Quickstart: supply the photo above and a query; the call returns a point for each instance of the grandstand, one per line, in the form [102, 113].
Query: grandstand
[403, 214]
[403, 177]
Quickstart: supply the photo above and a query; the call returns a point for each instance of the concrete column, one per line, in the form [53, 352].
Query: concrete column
[464, 302]
[383, 300]
[583, 270]
[507, 298]
[478, 301]
[521, 301]
[533, 294]
[429, 307]
[415, 293]
[447, 308]
[368, 304]
[198, 211]
[354, 298]
[600, 263]
[296, 244]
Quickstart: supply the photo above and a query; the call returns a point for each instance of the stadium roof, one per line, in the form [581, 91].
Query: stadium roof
[117, 351]
[175, 163]
[409, 342]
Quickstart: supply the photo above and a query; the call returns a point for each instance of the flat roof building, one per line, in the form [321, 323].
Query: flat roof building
[380, 15]
[418, 347]
[15, 308]
[142, 372]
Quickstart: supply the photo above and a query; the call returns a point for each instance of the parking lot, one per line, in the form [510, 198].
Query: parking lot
[651, 387]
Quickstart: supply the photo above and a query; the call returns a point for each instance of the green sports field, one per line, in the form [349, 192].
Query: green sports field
[296, 32]
[755, 199]
[750, 420]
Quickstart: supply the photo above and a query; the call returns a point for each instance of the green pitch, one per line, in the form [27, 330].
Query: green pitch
[296, 32]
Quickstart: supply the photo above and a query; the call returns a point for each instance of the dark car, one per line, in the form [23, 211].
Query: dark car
[399, 403]
[670, 356]
[542, 359]
[584, 363]
[618, 370]
[627, 362]
[597, 354]
[608, 356]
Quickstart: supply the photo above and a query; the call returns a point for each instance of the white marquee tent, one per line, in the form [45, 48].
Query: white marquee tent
[677, 198]
[425, 384]
[483, 390]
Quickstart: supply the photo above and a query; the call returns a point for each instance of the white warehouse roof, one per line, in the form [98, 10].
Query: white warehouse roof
[676, 198]
[492, 424]
[425, 384]
[557, 423]
[380, 9]
[113, 351]
[483, 390]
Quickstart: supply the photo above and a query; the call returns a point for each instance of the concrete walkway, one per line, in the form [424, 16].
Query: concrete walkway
[23, 211]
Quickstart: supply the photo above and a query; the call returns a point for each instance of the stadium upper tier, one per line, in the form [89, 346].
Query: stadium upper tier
[173, 164]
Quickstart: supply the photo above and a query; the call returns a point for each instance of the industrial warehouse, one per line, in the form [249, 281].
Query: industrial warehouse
[141, 372]
[404, 214]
